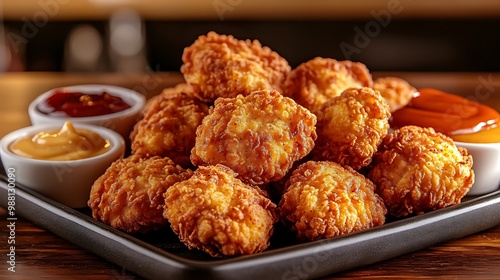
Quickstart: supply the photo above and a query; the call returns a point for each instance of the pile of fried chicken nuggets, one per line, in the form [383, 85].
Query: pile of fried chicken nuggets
[247, 142]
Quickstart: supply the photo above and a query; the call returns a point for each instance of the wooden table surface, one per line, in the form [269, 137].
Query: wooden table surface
[43, 255]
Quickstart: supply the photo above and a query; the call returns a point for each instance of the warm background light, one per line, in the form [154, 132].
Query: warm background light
[137, 36]
[253, 9]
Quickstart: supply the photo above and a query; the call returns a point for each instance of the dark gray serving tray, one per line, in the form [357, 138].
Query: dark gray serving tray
[160, 255]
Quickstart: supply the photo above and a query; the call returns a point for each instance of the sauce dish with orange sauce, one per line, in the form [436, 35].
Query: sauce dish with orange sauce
[470, 124]
[486, 157]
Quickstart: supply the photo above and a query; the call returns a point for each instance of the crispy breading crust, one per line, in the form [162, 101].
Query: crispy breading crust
[417, 170]
[129, 195]
[396, 91]
[318, 80]
[351, 126]
[324, 200]
[222, 66]
[168, 128]
[215, 212]
[259, 136]
[153, 104]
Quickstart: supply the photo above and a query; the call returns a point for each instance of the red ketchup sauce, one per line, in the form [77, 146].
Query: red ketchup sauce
[78, 104]
[449, 114]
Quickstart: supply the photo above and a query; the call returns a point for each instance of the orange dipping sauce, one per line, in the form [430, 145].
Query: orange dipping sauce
[455, 116]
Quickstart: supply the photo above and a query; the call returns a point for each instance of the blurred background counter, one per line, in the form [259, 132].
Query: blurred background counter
[138, 44]
[149, 35]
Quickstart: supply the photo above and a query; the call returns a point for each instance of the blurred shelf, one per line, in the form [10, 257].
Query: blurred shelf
[247, 10]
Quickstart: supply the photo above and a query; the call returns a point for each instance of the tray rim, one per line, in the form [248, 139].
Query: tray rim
[301, 261]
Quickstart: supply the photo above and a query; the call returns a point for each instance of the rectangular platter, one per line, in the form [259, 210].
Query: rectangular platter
[160, 254]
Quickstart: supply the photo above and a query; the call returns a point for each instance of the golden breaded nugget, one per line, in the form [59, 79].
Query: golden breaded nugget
[168, 128]
[259, 136]
[396, 91]
[153, 104]
[324, 200]
[129, 195]
[351, 126]
[417, 170]
[222, 66]
[318, 80]
[217, 213]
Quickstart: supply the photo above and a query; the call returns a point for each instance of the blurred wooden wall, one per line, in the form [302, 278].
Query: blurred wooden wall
[387, 35]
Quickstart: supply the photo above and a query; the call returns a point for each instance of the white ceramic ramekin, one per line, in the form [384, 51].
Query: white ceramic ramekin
[67, 182]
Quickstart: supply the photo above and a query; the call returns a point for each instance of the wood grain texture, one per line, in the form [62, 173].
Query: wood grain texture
[44, 255]
[474, 257]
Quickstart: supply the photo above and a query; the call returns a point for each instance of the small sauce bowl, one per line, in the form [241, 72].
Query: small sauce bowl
[471, 125]
[67, 182]
[486, 166]
[121, 122]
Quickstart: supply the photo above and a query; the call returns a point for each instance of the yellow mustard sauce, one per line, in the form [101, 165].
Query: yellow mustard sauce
[65, 144]
[483, 136]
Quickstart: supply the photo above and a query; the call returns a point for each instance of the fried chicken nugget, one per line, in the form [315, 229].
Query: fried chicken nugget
[168, 128]
[351, 126]
[129, 195]
[259, 136]
[396, 91]
[318, 80]
[217, 213]
[222, 66]
[324, 200]
[154, 103]
[417, 170]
